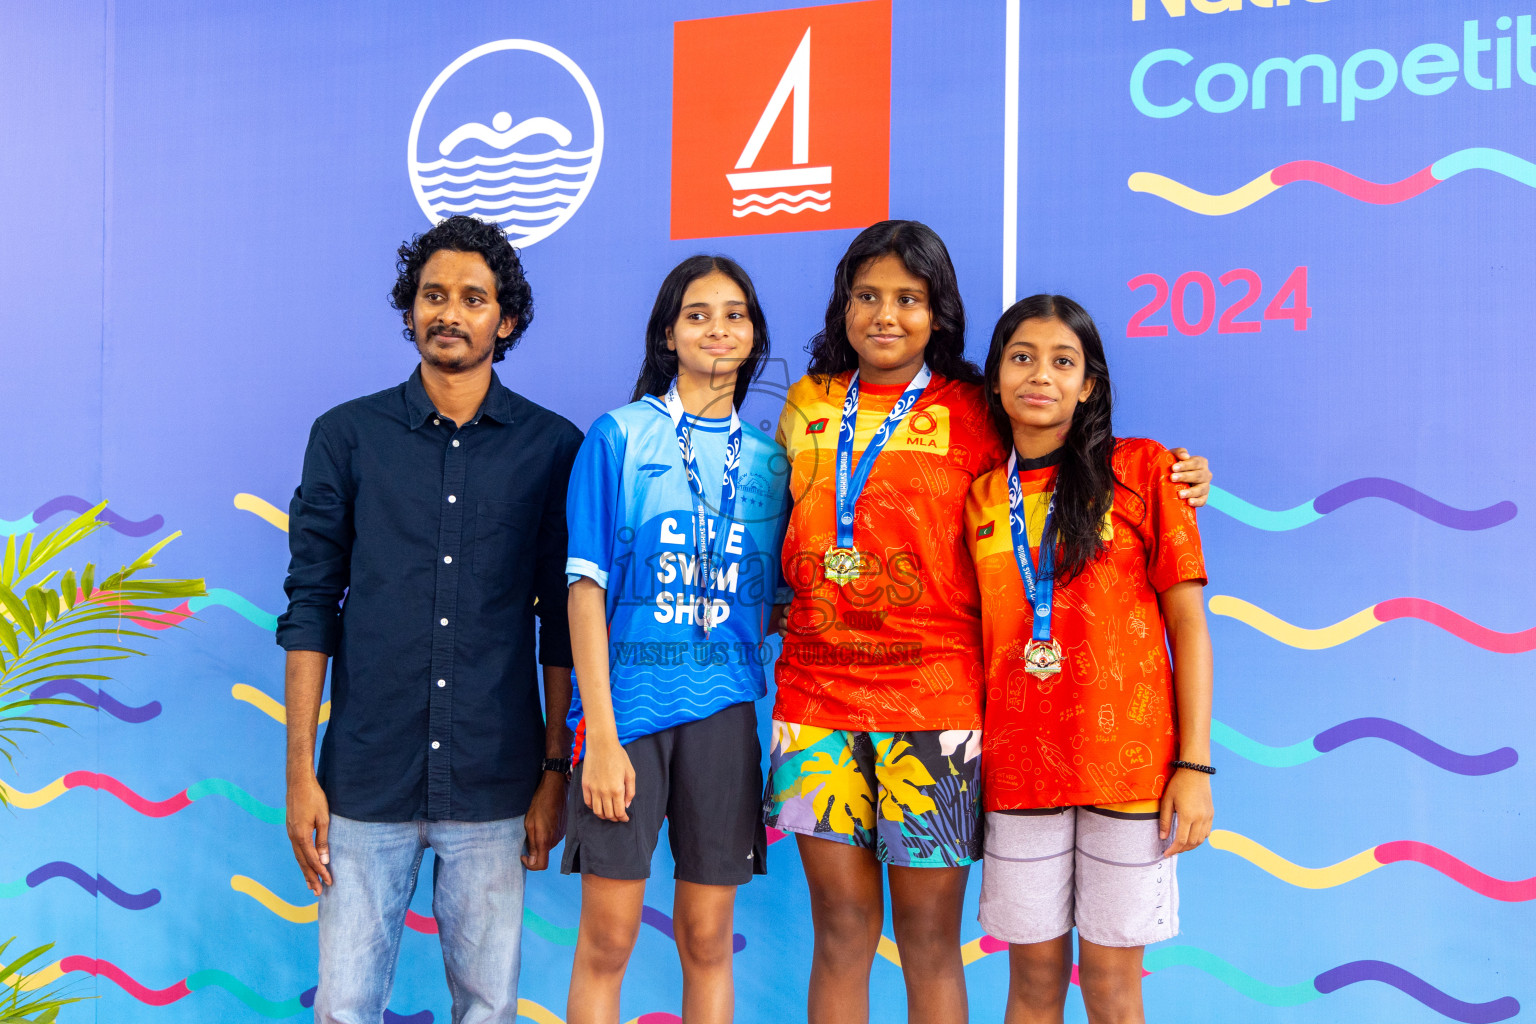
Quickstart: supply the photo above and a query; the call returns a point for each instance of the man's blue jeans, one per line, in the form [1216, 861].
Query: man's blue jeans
[478, 903]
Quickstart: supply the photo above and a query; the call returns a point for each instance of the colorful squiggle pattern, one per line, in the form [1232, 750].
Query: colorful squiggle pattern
[1478, 158]
[215, 596]
[69, 503]
[96, 885]
[149, 808]
[193, 983]
[1366, 861]
[100, 699]
[309, 913]
[263, 509]
[262, 702]
[1279, 520]
[1368, 619]
[1358, 729]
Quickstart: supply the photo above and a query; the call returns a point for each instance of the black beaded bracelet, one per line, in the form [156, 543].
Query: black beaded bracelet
[1207, 769]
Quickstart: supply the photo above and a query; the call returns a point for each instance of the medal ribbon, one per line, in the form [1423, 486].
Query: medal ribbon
[704, 550]
[850, 481]
[1037, 581]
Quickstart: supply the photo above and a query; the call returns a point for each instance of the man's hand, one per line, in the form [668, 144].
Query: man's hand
[608, 780]
[1194, 474]
[779, 620]
[545, 821]
[309, 821]
[1187, 795]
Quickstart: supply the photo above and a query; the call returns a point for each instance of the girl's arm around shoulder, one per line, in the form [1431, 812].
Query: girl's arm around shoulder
[1188, 793]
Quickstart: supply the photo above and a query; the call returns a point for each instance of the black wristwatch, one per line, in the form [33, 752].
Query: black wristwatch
[562, 765]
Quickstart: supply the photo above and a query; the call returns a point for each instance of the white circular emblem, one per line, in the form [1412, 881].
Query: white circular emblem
[526, 173]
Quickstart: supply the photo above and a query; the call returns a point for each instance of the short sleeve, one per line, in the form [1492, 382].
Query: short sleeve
[1172, 535]
[592, 503]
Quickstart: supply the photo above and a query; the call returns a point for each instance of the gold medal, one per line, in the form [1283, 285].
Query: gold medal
[1042, 658]
[842, 565]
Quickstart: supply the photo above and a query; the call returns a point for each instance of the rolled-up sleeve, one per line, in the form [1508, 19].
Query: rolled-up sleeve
[320, 534]
[550, 584]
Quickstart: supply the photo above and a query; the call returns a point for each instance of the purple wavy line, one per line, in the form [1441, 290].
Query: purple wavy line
[1415, 501]
[93, 884]
[307, 999]
[662, 923]
[1411, 984]
[99, 699]
[70, 503]
[1414, 743]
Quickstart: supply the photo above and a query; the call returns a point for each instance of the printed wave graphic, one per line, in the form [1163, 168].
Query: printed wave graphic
[1278, 520]
[216, 597]
[747, 211]
[1368, 619]
[309, 913]
[1358, 729]
[1366, 861]
[70, 503]
[74, 689]
[521, 193]
[270, 707]
[275, 1008]
[262, 509]
[149, 808]
[1380, 193]
[96, 885]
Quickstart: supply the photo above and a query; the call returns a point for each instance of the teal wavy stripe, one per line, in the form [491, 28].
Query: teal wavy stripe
[1161, 958]
[242, 799]
[1483, 159]
[1259, 753]
[243, 992]
[544, 930]
[9, 890]
[1262, 518]
[237, 604]
[9, 527]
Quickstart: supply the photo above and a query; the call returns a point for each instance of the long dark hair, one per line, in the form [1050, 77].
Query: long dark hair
[660, 364]
[923, 253]
[1085, 478]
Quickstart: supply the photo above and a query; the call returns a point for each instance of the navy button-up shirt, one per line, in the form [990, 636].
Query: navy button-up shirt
[445, 542]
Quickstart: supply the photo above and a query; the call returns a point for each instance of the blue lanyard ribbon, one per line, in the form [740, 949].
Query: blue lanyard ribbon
[704, 549]
[851, 481]
[1037, 580]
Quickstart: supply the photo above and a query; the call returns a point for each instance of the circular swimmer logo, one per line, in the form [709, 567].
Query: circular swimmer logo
[511, 133]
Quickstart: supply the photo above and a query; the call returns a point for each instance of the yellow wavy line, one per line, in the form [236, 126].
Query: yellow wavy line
[262, 508]
[540, 1015]
[307, 914]
[39, 978]
[1180, 194]
[971, 952]
[31, 801]
[1362, 863]
[887, 949]
[265, 704]
[1278, 629]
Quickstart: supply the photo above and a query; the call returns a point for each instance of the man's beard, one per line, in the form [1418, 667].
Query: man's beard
[467, 359]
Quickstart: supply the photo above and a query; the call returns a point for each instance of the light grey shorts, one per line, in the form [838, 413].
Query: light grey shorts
[1100, 871]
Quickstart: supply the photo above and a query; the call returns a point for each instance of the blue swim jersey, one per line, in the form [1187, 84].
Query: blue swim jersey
[631, 519]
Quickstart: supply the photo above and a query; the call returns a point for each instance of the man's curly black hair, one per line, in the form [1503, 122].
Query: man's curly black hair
[466, 234]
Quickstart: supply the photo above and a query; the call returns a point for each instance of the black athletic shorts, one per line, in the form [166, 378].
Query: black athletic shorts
[706, 779]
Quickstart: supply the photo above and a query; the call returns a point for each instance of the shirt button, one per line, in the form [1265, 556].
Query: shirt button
[442, 682]
[455, 442]
[435, 744]
[452, 499]
[437, 423]
[442, 622]
[447, 559]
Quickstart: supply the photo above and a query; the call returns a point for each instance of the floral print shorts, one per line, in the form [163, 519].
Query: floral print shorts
[911, 797]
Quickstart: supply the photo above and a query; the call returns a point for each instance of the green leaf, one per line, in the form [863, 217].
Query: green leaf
[38, 606]
[53, 604]
[67, 585]
[18, 611]
[87, 577]
[8, 637]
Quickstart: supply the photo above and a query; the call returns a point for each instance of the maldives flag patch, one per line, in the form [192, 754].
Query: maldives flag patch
[983, 532]
[816, 426]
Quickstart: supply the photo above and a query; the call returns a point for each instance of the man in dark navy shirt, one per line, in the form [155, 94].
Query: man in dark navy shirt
[427, 532]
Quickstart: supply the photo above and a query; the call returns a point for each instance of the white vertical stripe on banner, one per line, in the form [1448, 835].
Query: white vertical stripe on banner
[1011, 156]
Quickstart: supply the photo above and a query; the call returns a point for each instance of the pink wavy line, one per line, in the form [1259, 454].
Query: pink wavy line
[151, 808]
[420, 923]
[1456, 625]
[152, 996]
[1356, 188]
[1458, 871]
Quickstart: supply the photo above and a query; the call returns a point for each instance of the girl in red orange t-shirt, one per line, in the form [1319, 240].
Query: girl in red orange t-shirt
[1095, 749]
[877, 721]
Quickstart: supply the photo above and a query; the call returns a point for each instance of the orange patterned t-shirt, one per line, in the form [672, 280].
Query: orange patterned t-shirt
[899, 648]
[1103, 730]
